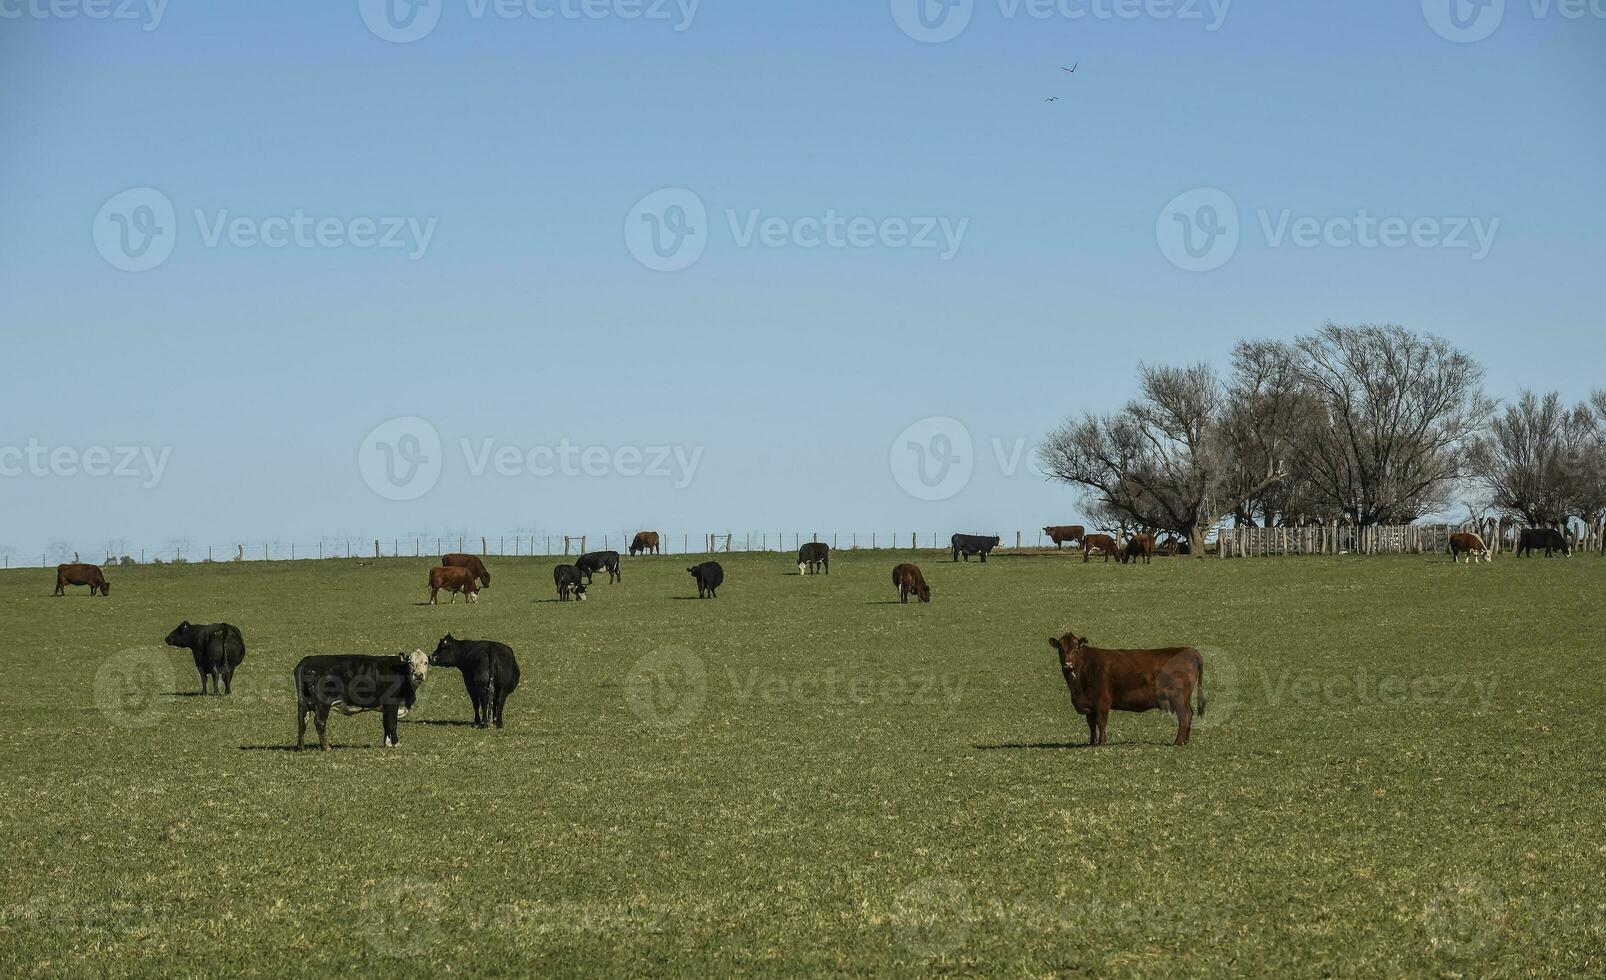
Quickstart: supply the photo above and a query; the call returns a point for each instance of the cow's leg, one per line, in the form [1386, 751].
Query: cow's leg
[1092, 729]
[301, 725]
[392, 736]
[228, 678]
[501, 702]
[432, 596]
[1102, 712]
[1184, 723]
[320, 720]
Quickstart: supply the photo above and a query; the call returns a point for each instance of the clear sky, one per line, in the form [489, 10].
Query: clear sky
[472, 228]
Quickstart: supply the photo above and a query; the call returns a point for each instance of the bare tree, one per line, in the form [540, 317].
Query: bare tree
[1540, 461]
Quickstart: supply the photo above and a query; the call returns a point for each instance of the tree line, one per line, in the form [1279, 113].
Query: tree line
[1355, 425]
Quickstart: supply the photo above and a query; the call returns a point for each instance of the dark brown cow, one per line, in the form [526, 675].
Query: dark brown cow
[644, 542]
[907, 579]
[1138, 546]
[1469, 544]
[81, 573]
[1548, 538]
[470, 562]
[1130, 680]
[1061, 533]
[1103, 542]
[454, 579]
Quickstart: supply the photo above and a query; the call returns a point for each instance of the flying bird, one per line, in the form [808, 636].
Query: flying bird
[1071, 69]
[1052, 98]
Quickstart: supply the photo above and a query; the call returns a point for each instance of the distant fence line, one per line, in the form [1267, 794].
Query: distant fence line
[1379, 539]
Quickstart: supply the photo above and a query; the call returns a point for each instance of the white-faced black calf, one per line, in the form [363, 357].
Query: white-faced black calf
[490, 673]
[218, 649]
[597, 561]
[570, 581]
[814, 557]
[350, 684]
[710, 576]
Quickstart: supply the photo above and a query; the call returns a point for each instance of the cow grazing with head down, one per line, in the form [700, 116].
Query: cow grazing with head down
[1130, 680]
[1103, 542]
[569, 581]
[1469, 544]
[490, 673]
[593, 562]
[812, 557]
[81, 573]
[470, 562]
[908, 580]
[454, 580]
[643, 543]
[1138, 546]
[973, 544]
[218, 649]
[710, 576]
[1548, 538]
[352, 684]
[1061, 533]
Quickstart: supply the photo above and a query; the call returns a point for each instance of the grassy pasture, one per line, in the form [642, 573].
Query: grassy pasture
[1399, 772]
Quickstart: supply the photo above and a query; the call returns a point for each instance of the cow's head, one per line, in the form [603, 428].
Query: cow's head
[580, 591]
[106, 587]
[1068, 646]
[418, 663]
[924, 592]
[180, 637]
[802, 568]
[445, 654]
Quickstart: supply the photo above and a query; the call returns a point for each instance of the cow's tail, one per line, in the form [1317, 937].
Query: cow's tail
[1198, 692]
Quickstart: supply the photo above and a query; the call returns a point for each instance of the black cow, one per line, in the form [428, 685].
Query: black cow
[218, 649]
[596, 561]
[1548, 538]
[972, 544]
[569, 579]
[812, 557]
[709, 577]
[351, 684]
[490, 673]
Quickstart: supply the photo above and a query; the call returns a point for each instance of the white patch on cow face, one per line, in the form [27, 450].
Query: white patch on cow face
[800, 568]
[418, 663]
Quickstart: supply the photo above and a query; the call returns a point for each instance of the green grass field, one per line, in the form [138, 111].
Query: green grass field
[1399, 772]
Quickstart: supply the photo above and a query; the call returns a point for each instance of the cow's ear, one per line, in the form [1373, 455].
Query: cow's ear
[1054, 642]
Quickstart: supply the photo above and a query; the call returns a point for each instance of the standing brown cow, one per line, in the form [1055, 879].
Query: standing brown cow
[644, 542]
[1139, 546]
[1130, 680]
[455, 580]
[907, 579]
[1061, 533]
[1465, 542]
[470, 562]
[81, 573]
[1103, 542]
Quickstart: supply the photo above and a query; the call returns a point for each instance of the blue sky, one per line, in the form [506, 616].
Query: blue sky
[789, 373]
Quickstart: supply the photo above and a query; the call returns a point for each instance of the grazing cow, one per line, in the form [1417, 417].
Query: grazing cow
[470, 562]
[1061, 533]
[596, 561]
[490, 673]
[1138, 546]
[907, 580]
[1103, 542]
[454, 579]
[351, 684]
[218, 649]
[973, 544]
[644, 542]
[1531, 539]
[569, 580]
[1130, 680]
[1469, 544]
[709, 577]
[812, 557]
[1173, 546]
[81, 573]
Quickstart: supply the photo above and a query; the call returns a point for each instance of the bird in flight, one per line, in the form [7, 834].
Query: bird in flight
[1071, 69]
[1052, 98]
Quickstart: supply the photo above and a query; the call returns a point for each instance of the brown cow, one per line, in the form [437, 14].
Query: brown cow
[1130, 680]
[81, 573]
[644, 542]
[907, 579]
[1061, 533]
[1103, 542]
[1465, 542]
[1138, 546]
[470, 562]
[455, 580]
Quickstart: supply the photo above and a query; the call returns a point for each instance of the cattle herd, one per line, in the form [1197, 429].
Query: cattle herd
[1099, 679]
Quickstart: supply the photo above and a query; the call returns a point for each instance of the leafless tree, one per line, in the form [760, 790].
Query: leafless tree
[1541, 461]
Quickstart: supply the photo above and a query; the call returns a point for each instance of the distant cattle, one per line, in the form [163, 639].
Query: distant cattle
[1469, 544]
[569, 580]
[1130, 680]
[81, 573]
[1173, 545]
[597, 561]
[1061, 533]
[218, 649]
[454, 580]
[813, 557]
[908, 581]
[1103, 542]
[1138, 546]
[490, 673]
[470, 562]
[710, 576]
[644, 542]
[351, 684]
[973, 544]
[1531, 539]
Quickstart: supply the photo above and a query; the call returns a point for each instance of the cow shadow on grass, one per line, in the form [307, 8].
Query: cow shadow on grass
[335, 746]
[445, 722]
[1064, 745]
